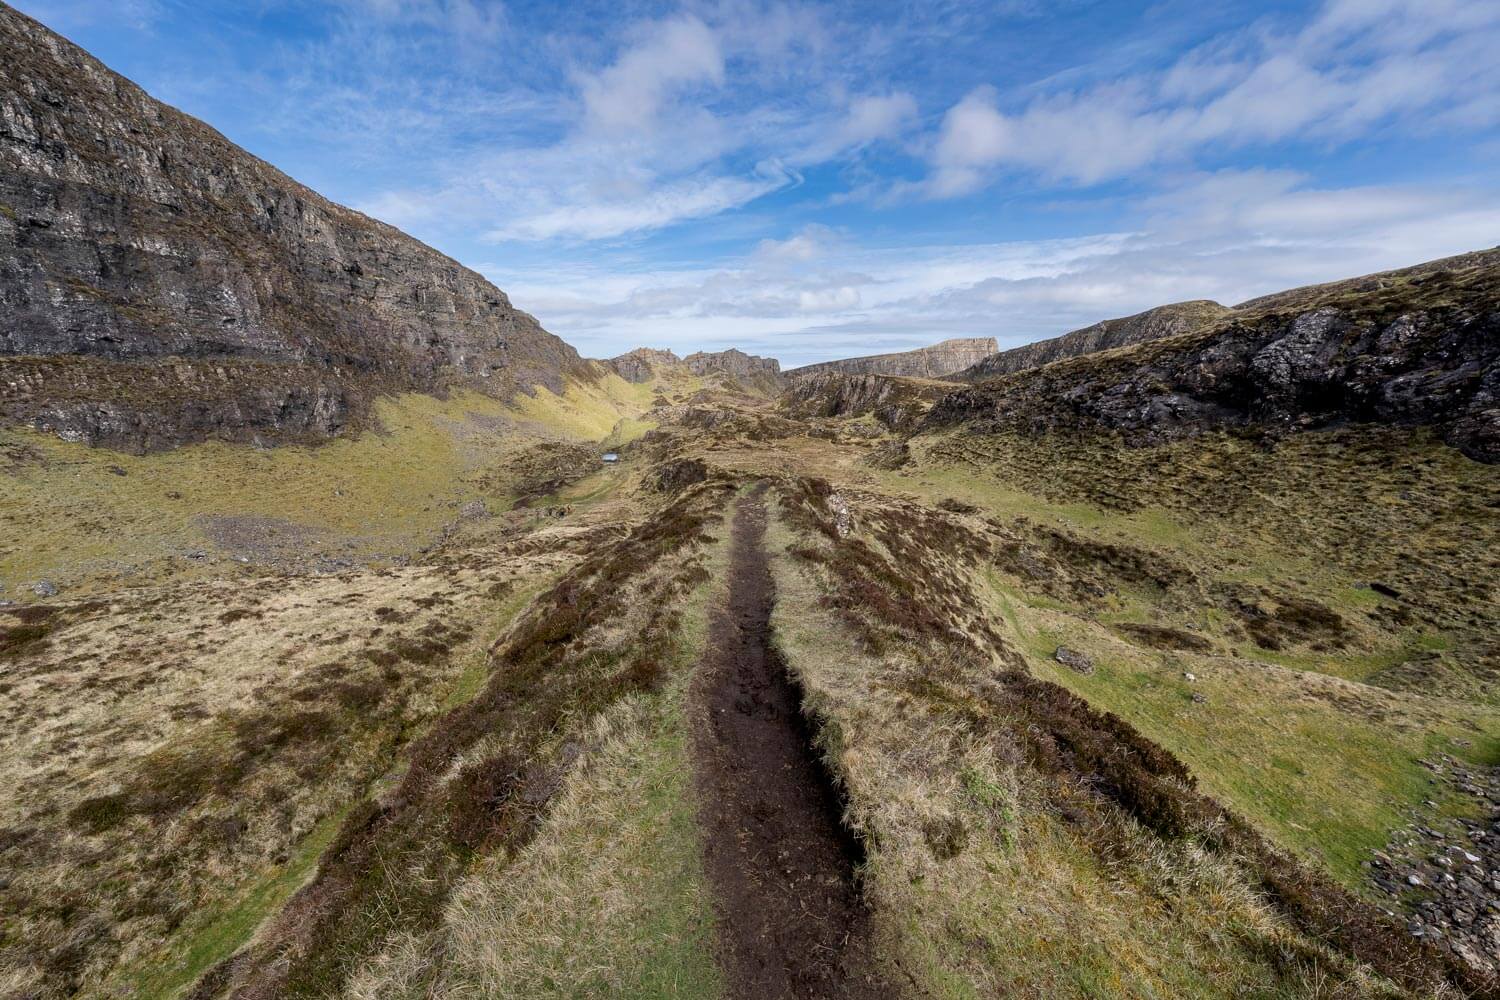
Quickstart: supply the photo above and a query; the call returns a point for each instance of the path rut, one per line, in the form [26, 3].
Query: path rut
[782, 866]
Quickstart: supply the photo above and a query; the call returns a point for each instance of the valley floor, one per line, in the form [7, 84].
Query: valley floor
[764, 711]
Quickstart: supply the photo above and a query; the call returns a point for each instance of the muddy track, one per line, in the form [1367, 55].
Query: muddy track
[782, 866]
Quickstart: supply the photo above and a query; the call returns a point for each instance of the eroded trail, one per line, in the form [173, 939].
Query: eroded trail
[792, 923]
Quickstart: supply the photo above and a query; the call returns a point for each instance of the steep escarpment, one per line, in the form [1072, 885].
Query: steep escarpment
[1153, 324]
[131, 233]
[1406, 348]
[936, 361]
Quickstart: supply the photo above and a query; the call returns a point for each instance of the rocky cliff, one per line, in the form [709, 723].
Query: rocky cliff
[131, 233]
[897, 403]
[640, 364]
[1411, 348]
[937, 361]
[734, 363]
[1153, 324]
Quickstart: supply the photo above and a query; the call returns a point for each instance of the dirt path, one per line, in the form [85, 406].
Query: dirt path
[782, 866]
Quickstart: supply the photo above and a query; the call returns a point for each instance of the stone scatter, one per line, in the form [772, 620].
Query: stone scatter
[1444, 879]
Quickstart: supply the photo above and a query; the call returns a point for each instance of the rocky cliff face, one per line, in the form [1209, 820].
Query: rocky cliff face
[640, 364]
[896, 402]
[938, 361]
[733, 362]
[1153, 324]
[131, 233]
[1417, 347]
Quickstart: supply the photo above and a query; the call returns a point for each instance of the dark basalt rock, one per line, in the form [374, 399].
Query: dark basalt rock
[643, 362]
[676, 475]
[1413, 348]
[135, 236]
[750, 370]
[1445, 878]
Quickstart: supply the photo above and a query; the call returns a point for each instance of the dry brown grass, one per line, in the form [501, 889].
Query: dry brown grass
[172, 743]
[1048, 850]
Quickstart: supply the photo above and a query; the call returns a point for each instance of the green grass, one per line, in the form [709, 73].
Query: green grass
[611, 899]
[216, 932]
[608, 898]
[475, 665]
[1325, 770]
[90, 518]
[1033, 905]
[628, 429]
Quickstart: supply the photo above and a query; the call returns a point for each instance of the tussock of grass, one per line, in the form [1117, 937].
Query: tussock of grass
[607, 900]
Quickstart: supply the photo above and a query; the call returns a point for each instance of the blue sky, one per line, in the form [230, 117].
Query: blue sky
[814, 180]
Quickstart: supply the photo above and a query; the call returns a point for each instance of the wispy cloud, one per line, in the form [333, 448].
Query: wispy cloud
[1361, 63]
[72, 15]
[662, 134]
[820, 293]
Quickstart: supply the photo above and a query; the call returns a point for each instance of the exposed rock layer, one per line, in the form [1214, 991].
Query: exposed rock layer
[640, 364]
[937, 361]
[895, 402]
[1418, 347]
[1153, 324]
[130, 232]
[733, 362]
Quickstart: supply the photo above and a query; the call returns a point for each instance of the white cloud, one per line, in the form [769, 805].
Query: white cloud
[869, 119]
[819, 294]
[659, 206]
[651, 143]
[660, 134]
[1360, 64]
[627, 96]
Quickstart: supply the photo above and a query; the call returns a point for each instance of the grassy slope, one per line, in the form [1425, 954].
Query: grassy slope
[1316, 743]
[609, 899]
[1284, 736]
[979, 888]
[74, 518]
[216, 931]
[92, 518]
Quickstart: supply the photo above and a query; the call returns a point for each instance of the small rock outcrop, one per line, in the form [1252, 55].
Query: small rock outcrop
[1153, 324]
[1444, 874]
[937, 361]
[1074, 660]
[1413, 348]
[140, 249]
[639, 365]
